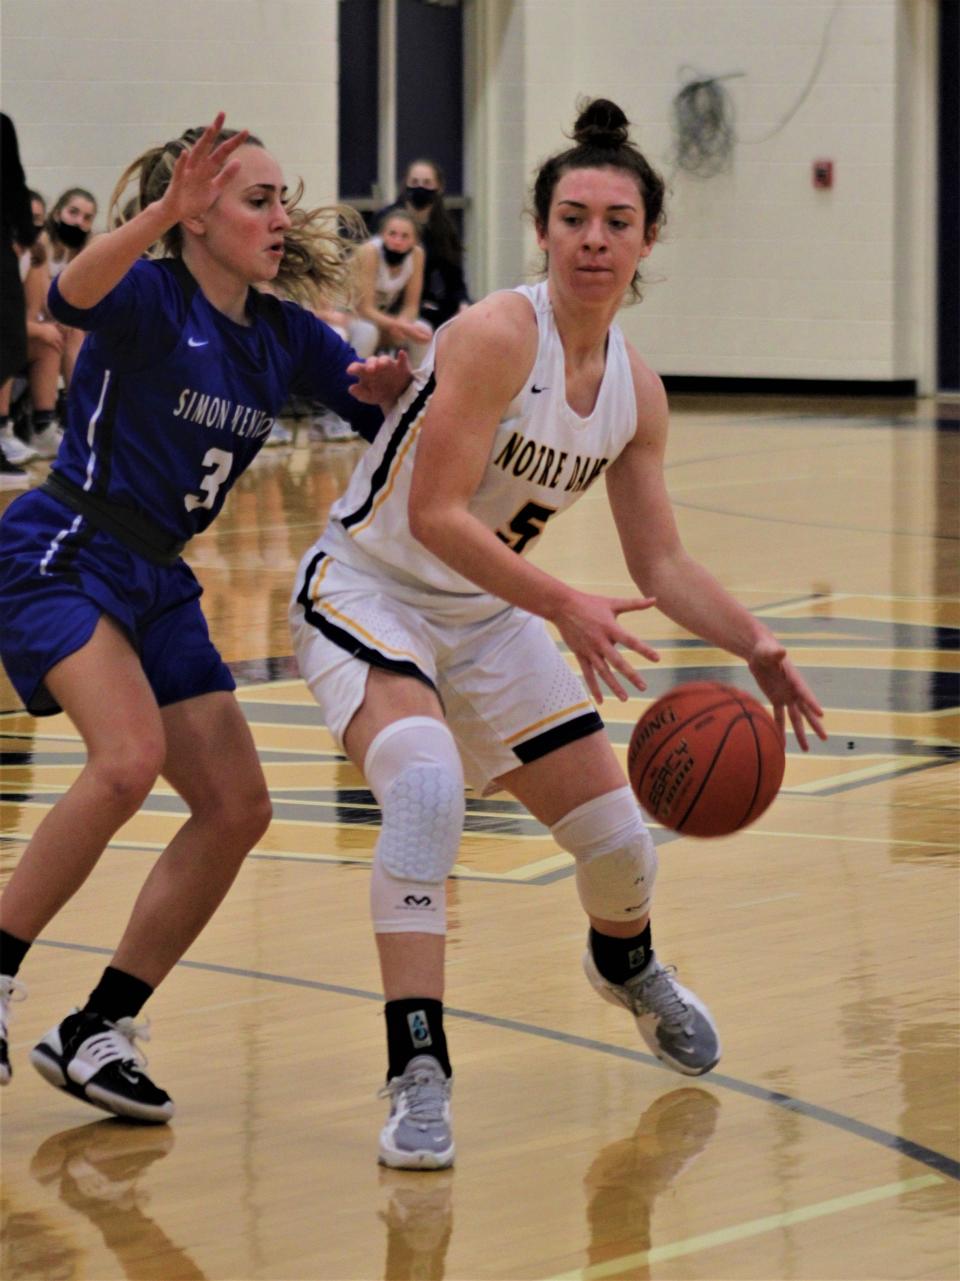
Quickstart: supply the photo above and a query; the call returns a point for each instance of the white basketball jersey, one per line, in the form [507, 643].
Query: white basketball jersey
[544, 456]
[389, 284]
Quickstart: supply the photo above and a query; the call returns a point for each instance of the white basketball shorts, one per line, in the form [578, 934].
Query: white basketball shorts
[508, 695]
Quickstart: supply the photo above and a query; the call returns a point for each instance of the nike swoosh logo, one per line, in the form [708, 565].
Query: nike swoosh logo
[537, 390]
[197, 342]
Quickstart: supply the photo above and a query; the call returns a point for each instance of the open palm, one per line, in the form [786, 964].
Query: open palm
[201, 172]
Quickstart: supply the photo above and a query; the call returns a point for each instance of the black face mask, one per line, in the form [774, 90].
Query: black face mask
[394, 257]
[70, 235]
[419, 197]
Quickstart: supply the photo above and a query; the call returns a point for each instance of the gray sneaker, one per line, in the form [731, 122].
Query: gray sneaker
[417, 1135]
[675, 1024]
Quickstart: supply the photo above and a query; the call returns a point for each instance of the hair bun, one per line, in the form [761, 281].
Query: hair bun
[601, 123]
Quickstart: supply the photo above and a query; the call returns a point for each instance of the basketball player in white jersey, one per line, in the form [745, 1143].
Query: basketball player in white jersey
[420, 625]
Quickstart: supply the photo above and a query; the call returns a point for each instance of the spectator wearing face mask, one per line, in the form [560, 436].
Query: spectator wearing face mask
[66, 232]
[29, 435]
[389, 272]
[444, 288]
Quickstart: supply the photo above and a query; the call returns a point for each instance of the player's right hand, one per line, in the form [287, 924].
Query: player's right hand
[201, 171]
[589, 625]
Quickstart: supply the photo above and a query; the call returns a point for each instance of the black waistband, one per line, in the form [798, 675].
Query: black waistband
[123, 523]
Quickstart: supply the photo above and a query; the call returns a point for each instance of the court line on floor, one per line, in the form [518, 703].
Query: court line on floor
[938, 1161]
[541, 872]
[796, 523]
[752, 1228]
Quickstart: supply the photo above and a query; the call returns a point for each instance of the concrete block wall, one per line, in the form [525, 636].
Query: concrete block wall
[92, 83]
[758, 273]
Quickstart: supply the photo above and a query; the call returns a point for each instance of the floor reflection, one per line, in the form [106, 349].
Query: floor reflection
[98, 1170]
[626, 1177]
[30, 1247]
[419, 1221]
[17, 762]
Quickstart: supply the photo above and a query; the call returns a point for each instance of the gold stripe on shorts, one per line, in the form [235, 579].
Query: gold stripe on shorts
[549, 720]
[357, 630]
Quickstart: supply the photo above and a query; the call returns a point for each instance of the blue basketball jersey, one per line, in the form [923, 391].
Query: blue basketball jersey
[171, 400]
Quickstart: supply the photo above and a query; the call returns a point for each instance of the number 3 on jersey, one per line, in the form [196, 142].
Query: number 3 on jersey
[525, 526]
[220, 461]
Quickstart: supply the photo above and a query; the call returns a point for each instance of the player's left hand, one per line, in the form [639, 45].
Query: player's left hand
[380, 379]
[787, 691]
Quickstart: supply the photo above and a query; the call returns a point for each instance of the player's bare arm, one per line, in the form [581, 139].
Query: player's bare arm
[684, 590]
[198, 178]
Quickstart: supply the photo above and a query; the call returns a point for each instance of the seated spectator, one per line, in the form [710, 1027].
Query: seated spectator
[444, 288]
[14, 424]
[65, 233]
[389, 276]
[47, 342]
[36, 255]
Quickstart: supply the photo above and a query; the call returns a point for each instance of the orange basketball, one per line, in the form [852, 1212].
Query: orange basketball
[706, 759]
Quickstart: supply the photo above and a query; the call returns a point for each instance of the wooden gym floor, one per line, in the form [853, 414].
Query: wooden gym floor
[824, 938]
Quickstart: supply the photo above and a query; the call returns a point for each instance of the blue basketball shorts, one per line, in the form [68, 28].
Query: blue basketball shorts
[58, 575]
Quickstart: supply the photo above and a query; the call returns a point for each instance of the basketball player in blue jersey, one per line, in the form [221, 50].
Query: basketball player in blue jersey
[183, 371]
[419, 624]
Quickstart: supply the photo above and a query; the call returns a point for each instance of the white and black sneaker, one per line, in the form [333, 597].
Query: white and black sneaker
[13, 448]
[45, 441]
[10, 990]
[97, 1061]
[675, 1023]
[12, 475]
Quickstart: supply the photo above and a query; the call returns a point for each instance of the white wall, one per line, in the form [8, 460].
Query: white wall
[758, 273]
[91, 83]
[498, 163]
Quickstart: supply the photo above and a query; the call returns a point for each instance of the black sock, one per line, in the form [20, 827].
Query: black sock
[41, 418]
[12, 952]
[118, 995]
[621, 959]
[415, 1026]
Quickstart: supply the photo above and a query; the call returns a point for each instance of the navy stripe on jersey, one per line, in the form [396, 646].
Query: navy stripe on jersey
[382, 473]
[532, 749]
[346, 640]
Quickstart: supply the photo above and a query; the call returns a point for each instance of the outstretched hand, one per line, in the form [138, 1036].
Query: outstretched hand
[201, 171]
[589, 626]
[380, 379]
[787, 691]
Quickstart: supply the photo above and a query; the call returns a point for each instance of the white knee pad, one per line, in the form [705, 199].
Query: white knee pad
[414, 770]
[616, 856]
